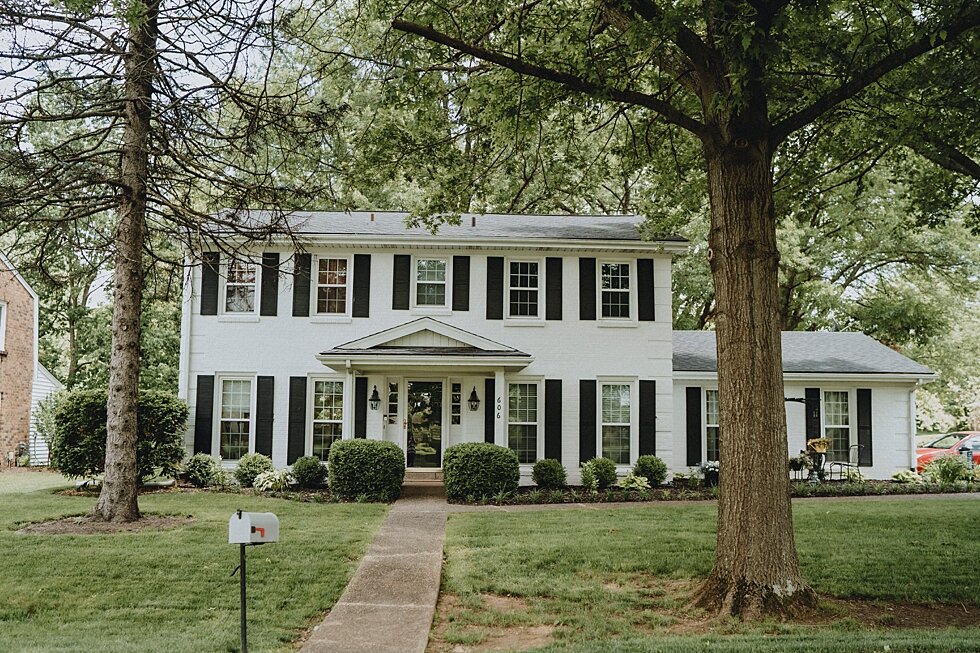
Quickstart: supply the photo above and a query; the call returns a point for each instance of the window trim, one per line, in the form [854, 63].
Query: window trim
[310, 391]
[3, 325]
[223, 290]
[633, 308]
[445, 308]
[539, 413]
[219, 379]
[315, 288]
[705, 425]
[540, 290]
[634, 439]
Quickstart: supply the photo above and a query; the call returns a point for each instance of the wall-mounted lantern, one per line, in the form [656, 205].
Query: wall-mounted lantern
[473, 401]
[375, 399]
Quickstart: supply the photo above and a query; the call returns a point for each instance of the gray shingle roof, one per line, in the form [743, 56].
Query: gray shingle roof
[804, 351]
[473, 226]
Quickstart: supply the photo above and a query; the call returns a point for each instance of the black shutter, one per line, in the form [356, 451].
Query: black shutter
[586, 289]
[865, 451]
[209, 283]
[269, 302]
[648, 418]
[265, 397]
[489, 410]
[401, 283]
[552, 418]
[812, 421]
[644, 291]
[204, 414]
[461, 283]
[552, 293]
[296, 442]
[693, 426]
[360, 407]
[495, 288]
[586, 419]
[362, 285]
[301, 285]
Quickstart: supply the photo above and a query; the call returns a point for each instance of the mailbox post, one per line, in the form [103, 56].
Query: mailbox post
[250, 529]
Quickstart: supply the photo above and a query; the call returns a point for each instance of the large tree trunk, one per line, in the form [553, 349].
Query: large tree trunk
[118, 500]
[756, 570]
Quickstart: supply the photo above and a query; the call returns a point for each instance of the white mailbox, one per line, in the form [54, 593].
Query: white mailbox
[253, 528]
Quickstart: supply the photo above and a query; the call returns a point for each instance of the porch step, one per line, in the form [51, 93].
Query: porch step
[423, 476]
[424, 489]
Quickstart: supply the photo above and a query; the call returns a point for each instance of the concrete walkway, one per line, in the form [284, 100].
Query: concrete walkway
[389, 603]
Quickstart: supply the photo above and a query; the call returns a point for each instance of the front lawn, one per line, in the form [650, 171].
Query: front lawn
[598, 580]
[172, 590]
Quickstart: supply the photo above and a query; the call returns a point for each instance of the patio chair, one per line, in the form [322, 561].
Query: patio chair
[842, 467]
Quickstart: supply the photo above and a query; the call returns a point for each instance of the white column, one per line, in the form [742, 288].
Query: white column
[499, 427]
[348, 404]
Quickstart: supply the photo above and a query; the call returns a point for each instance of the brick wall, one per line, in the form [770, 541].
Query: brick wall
[16, 363]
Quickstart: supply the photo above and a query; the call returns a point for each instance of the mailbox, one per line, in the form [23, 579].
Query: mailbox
[253, 528]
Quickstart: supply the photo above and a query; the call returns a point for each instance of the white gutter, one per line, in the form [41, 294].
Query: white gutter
[883, 377]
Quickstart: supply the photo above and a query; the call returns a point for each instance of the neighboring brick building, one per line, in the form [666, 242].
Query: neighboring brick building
[18, 356]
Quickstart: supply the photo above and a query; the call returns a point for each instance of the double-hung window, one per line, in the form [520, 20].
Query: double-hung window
[615, 290]
[235, 418]
[712, 417]
[328, 415]
[523, 283]
[522, 421]
[331, 286]
[240, 282]
[3, 324]
[616, 422]
[431, 282]
[837, 424]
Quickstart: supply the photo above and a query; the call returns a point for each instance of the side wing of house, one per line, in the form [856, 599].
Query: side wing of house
[18, 356]
[45, 385]
[555, 347]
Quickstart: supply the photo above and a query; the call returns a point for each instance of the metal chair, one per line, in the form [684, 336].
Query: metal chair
[853, 459]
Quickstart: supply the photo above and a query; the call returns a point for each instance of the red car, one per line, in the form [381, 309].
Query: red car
[947, 444]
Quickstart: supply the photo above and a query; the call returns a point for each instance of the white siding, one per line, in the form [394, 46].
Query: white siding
[44, 386]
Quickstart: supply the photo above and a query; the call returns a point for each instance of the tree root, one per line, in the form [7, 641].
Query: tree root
[752, 601]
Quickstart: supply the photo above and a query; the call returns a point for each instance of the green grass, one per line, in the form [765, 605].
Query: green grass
[23, 481]
[172, 590]
[608, 580]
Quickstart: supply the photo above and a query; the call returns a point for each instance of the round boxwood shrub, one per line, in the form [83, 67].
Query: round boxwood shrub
[309, 472]
[549, 474]
[479, 469]
[78, 433]
[652, 468]
[251, 465]
[366, 468]
[601, 471]
[202, 470]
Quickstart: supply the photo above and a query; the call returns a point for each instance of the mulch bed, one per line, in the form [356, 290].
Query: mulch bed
[84, 525]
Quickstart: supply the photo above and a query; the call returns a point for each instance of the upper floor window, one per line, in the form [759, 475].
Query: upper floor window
[837, 422]
[235, 418]
[615, 290]
[712, 413]
[240, 284]
[616, 422]
[331, 286]
[430, 282]
[328, 416]
[523, 282]
[522, 421]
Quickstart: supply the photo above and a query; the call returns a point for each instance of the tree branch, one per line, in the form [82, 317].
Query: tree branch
[946, 156]
[963, 23]
[567, 80]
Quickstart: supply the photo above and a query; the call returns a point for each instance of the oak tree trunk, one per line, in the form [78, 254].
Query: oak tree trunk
[118, 499]
[756, 571]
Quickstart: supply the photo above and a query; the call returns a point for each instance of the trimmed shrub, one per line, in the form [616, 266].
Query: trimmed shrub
[603, 470]
[651, 468]
[479, 469]
[202, 470]
[366, 469]
[78, 440]
[277, 480]
[251, 465]
[309, 472]
[549, 474]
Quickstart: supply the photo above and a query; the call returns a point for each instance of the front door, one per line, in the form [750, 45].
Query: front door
[424, 424]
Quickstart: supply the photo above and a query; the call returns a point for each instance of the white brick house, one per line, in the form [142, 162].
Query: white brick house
[548, 334]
